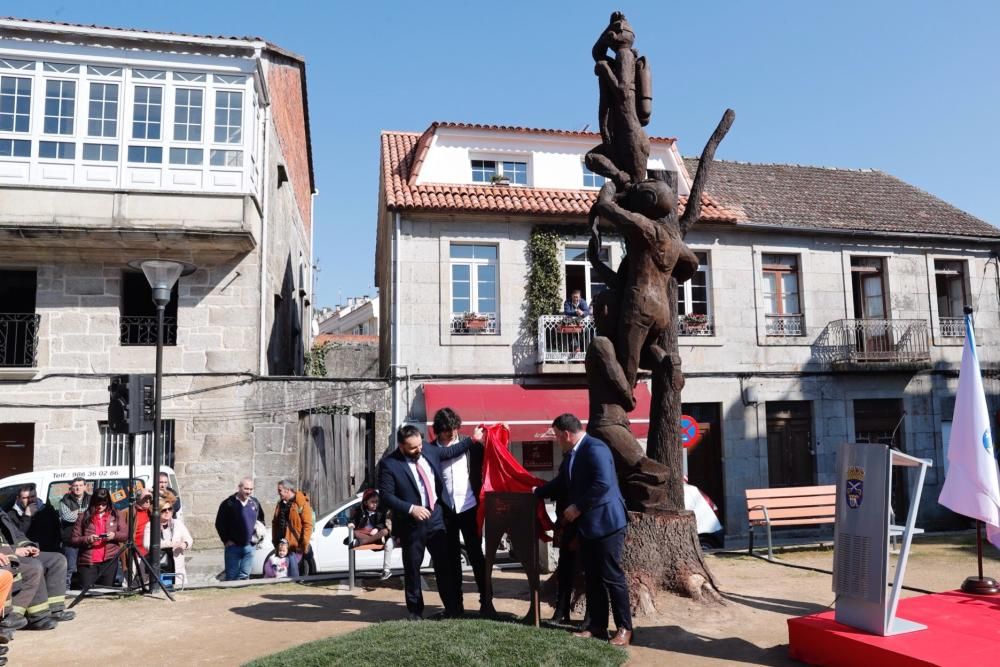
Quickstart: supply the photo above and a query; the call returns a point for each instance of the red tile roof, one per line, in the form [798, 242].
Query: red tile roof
[403, 152]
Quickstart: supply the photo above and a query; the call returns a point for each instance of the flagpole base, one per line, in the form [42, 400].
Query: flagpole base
[984, 586]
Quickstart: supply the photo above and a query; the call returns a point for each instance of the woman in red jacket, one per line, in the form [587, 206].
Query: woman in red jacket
[98, 534]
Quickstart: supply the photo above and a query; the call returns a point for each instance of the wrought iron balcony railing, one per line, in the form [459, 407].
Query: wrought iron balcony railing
[141, 330]
[482, 324]
[18, 339]
[563, 340]
[689, 327]
[783, 325]
[952, 327]
[886, 341]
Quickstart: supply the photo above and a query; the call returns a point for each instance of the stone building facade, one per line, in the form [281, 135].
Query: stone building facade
[127, 144]
[825, 309]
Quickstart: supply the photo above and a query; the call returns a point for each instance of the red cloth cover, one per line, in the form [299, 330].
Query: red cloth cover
[502, 472]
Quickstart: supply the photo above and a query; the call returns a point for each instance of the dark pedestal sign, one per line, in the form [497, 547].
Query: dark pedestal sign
[514, 514]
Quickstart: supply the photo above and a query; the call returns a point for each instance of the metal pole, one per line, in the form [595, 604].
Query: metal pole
[979, 546]
[154, 523]
[131, 508]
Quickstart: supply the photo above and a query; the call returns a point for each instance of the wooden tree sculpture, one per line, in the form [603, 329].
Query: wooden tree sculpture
[636, 322]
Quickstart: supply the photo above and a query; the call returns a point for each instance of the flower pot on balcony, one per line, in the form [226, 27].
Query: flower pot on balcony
[476, 325]
[570, 328]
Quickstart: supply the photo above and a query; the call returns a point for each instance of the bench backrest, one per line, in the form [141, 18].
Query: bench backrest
[793, 505]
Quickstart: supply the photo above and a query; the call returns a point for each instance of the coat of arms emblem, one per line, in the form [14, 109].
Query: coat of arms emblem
[855, 486]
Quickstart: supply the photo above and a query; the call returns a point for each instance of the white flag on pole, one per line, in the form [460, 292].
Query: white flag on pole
[971, 487]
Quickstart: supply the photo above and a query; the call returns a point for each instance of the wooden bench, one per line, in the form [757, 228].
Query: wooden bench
[789, 506]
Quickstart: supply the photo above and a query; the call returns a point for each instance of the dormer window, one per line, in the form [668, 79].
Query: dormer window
[590, 179]
[490, 171]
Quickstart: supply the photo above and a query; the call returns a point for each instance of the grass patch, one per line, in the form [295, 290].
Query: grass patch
[447, 643]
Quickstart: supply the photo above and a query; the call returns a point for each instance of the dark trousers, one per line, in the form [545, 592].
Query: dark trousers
[101, 574]
[602, 559]
[464, 524]
[432, 536]
[42, 588]
[565, 574]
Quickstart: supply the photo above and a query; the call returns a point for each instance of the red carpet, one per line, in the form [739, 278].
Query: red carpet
[961, 630]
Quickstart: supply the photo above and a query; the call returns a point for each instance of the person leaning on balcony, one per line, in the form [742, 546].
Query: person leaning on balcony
[575, 306]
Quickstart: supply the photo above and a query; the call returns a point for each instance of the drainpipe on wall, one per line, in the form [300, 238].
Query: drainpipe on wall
[394, 329]
[265, 209]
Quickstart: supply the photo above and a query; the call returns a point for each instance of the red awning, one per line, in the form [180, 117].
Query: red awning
[527, 410]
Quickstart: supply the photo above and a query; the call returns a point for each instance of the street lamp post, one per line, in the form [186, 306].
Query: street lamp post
[161, 275]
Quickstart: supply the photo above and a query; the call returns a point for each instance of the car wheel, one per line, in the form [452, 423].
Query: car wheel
[464, 557]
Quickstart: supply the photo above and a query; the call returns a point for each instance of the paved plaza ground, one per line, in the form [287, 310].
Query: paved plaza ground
[230, 626]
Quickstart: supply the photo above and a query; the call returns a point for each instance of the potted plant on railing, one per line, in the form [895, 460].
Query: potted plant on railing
[499, 179]
[570, 325]
[695, 322]
[475, 321]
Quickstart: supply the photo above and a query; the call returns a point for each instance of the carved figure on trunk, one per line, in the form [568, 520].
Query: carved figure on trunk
[625, 105]
[646, 215]
[643, 481]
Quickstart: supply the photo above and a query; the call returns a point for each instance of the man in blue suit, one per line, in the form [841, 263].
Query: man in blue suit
[410, 483]
[587, 479]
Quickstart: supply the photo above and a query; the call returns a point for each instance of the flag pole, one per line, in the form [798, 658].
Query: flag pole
[978, 585]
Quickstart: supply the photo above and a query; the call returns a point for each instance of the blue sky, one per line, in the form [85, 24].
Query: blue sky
[912, 88]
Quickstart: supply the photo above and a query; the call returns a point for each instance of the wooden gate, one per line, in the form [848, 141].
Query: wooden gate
[336, 457]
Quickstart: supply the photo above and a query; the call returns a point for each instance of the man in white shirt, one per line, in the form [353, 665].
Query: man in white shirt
[463, 479]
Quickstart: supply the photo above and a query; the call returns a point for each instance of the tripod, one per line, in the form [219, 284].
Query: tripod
[134, 560]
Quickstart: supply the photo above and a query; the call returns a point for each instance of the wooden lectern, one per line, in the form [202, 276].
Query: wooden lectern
[514, 514]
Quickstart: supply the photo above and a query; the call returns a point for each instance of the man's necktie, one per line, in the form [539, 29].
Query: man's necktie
[569, 468]
[428, 487]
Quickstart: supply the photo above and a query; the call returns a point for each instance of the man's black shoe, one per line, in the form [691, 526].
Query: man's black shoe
[63, 616]
[46, 623]
[13, 621]
[414, 617]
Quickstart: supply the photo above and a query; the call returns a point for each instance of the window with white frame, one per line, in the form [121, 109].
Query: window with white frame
[100, 152]
[580, 275]
[57, 150]
[228, 117]
[102, 116]
[15, 148]
[694, 307]
[590, 179]
[188, 104]
[488, 171]
[147, 113]
[60, 103]
[15, 104]
[473, 282]
[782, 303]
[949, 282]
[181, 118]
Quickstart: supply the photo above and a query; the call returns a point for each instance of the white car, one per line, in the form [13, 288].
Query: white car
[328, 546]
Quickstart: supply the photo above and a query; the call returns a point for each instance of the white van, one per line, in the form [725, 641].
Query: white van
[52, 485]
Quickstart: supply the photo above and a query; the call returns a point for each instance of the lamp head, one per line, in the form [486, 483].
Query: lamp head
[161, 275]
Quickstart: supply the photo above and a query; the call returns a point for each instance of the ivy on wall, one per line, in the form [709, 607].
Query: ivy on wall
[544, 275]
[316, 360]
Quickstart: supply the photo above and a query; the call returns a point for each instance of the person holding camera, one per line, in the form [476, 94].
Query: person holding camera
[99, 533]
